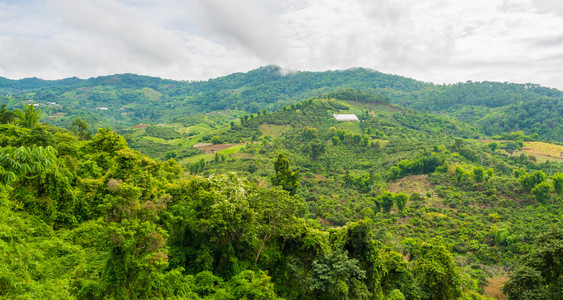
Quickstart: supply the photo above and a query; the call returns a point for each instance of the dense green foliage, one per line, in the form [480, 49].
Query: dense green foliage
[284, 177]
[123, 100]
[540, 274]
[404, 204]
[165, 133]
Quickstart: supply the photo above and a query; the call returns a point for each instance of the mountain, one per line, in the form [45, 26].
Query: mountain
[127, 99]
[400, 203]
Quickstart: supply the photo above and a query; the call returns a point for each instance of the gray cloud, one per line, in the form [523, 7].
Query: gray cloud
[242, 23]
[553, 41]
[121, 26]
[431, 40]
[385, 11]
[549, 6]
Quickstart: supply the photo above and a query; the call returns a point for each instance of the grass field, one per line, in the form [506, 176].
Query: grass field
[220, 148]
[198, 128]
[542, 151]
[225, 149]
[382, 143]
[274, 130]
[352, 127]
[195, 158]
[545, 149]
[151, 94]
[359, 106]
[232, 149]
[412, 184]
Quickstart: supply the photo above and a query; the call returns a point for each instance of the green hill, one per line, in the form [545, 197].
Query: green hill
[404, 204]
[492, 107]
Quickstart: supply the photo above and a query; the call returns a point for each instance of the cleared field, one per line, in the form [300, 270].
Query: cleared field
[141, 126]
[412, 184]
[217, 148]
[274, 130]
[382, 143]
[151, 94]
[199, 128]
[211, 149]
[202, 145]
[352, 127]
[543, 158]
[545, 149]
[542, 151]
[494, 286]
[196, 158]
[232, 150]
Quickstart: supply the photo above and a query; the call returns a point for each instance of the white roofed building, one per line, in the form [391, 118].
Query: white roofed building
[346, 117]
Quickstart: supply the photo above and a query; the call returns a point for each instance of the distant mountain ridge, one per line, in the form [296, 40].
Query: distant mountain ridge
[492, 107]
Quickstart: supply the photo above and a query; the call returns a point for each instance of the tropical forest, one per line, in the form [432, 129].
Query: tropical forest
[345, 184]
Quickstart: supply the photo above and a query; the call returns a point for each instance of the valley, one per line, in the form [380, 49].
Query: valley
[248, 185]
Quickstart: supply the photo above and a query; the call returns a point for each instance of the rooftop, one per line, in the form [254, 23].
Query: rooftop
[346, 117]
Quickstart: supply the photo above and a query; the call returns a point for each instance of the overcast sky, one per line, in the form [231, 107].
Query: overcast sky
[441, 41]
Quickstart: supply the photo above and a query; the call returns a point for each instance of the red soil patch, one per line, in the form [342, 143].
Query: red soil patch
[202, 145]
[215, 148]
[141, 126]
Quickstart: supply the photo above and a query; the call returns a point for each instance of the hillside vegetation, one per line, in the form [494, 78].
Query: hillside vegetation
[492, 107]
[407, 203]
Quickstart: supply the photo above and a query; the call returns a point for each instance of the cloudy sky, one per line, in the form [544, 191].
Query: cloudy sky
[441, 41]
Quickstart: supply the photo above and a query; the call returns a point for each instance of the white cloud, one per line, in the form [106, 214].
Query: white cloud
[431, 40]
[122, 28]
[242, 23]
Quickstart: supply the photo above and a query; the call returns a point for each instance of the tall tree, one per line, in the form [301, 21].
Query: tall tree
[478, 174]
[540, 274]
[336, 276]
[317, 149]
[529, 181]
[277, 212]
[8, 116]
[541, 191]
[31, 116]
[401, 200]
[284, 177]
[81, 128]
[557, 181]
[435, 271]
[386, 201]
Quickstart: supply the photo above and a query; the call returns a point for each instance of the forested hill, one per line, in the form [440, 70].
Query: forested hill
[493, 107]
[296, 206]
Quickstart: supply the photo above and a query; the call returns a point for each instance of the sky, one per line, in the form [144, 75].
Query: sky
[440, 41]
